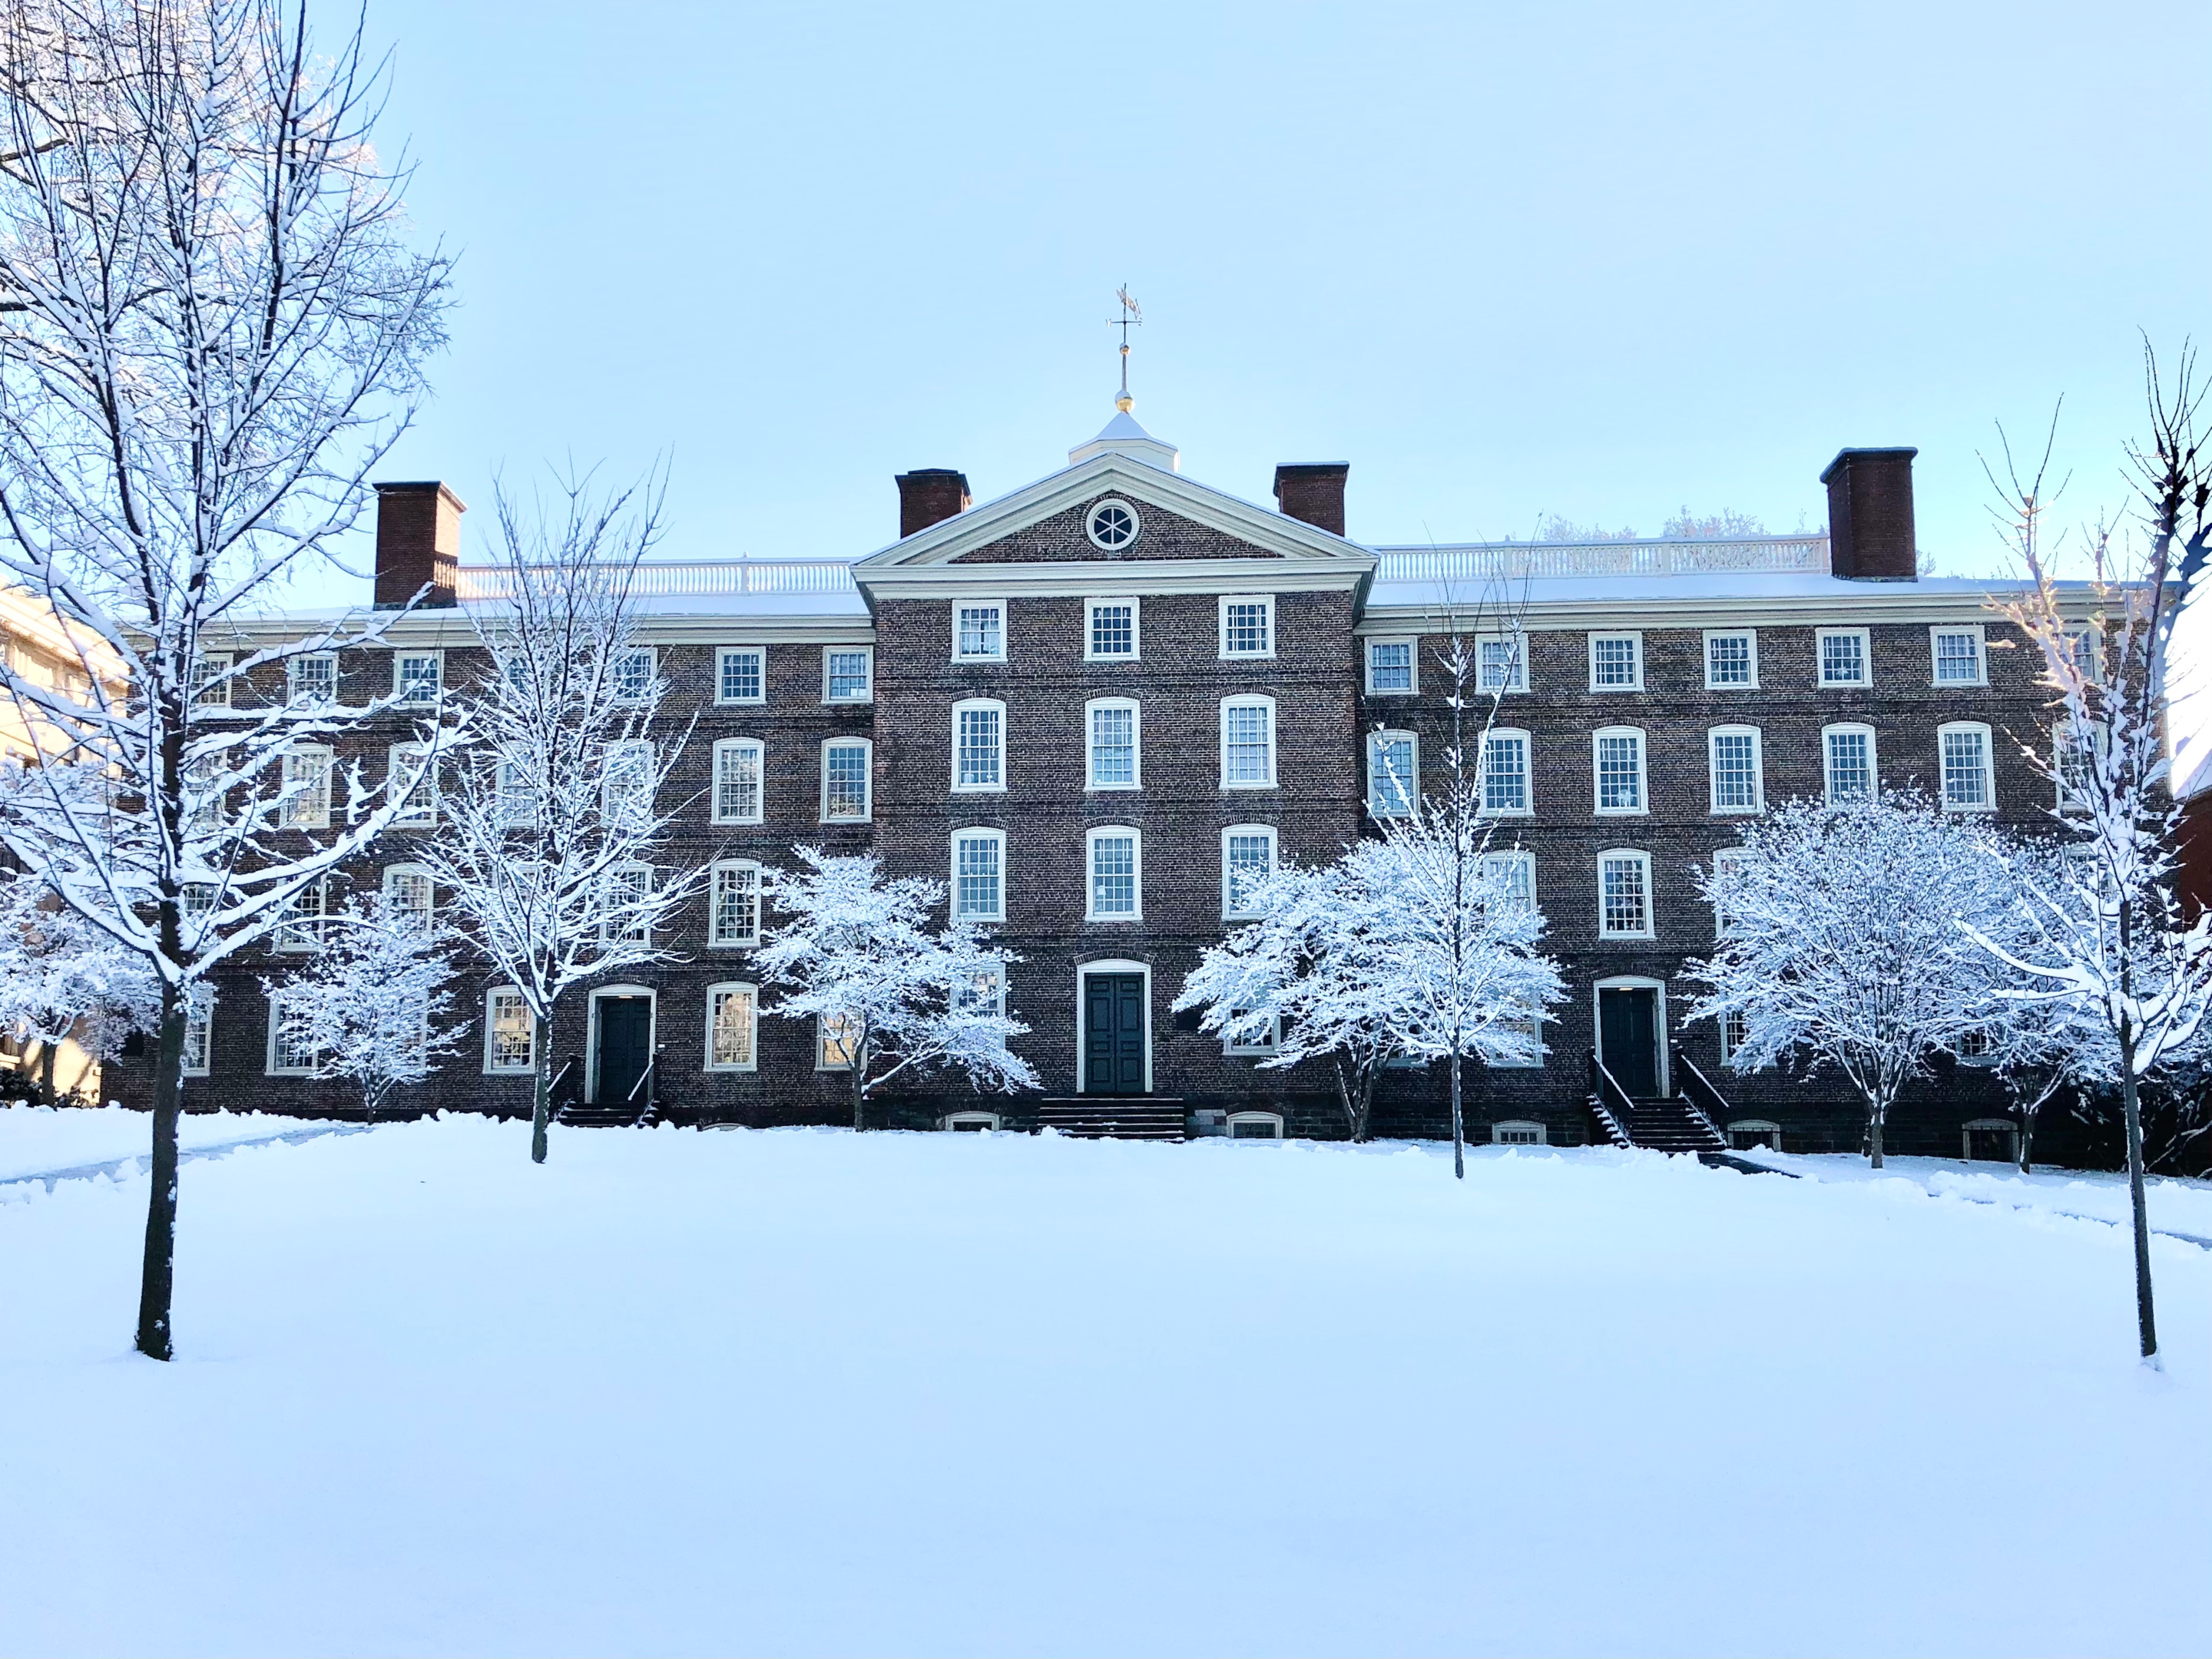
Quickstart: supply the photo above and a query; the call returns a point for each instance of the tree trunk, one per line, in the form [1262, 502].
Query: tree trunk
[1364, 1129]
[2027, 1141]
[50, 1055]
[1876, 1113]
[1459, 1139]
[2130, 1108]
[859, 1097]
[542, 1113]
[157, 1277]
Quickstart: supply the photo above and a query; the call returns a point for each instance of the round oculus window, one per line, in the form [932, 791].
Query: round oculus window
[1112, 524]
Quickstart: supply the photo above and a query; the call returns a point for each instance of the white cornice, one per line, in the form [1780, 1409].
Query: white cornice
[1140, 576]
[449, 630]
[1897, 603]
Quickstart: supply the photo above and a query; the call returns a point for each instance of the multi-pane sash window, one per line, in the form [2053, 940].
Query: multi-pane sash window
[979, 743]
[291, 1049]
[1624, 895]
[1847, 753]
[729, 1011]
[629, 888]
[626, 781]
[1515, 872]
[518, 801]
[1726, 861]
[307, 784]
[845, 780]
[2070, 762]
[1247, 858]
[510, 1037]
[1965, 753]
[634, 670]
[408, 891]
[301, 928]
[1737, 785]
[1735, 1032]
[199, 1029]
[740, 674]
[1958, 654]
[984, 992]
[734, 905]
[1731, 660]
[1506, 772]
[1113, 875]
[1248, 743]
[1502, 664]
[418, 676]
[836, 1036]
[979, 631]
[979, 860]
[847, 673]
[314, 679]
[1111, 634]
[1844, 656]
[1616, 662]
[1114, 764]
[210, 678]
[420, 806]
[1394, 774]
[738, 780]
[1389, 667]
[1617, 753]
[1248, 627]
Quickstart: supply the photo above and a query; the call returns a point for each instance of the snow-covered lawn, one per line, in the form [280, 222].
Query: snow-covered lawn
[806, 1391]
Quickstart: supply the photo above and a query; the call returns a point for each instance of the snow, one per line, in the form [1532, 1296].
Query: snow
[37, 1140]
[807, 1391]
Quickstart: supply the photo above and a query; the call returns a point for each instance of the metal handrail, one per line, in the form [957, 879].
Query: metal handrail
[1712, 1093]
[644, 1079]
[1493, 561]
[1624, 1114]
[553, 1089]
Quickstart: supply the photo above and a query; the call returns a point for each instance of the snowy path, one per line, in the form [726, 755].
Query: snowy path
[138, 1163]
[808, 1392]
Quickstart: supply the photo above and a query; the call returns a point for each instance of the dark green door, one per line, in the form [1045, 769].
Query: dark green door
[1628, 1036]
[625, 1046]
[1113, 1034]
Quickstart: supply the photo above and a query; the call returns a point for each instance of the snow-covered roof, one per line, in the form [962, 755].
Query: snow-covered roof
[2199, 780]
[1122, 436]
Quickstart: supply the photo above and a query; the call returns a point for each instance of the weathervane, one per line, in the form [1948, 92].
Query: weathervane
[1131, 312]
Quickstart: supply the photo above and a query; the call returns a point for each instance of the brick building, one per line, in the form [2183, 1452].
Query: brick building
[1090, 704]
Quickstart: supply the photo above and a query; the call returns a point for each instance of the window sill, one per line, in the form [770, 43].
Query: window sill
[979, 789]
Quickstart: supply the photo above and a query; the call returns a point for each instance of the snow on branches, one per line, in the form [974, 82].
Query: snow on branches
[855, 953]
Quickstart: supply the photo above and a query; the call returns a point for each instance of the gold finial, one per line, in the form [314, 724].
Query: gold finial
[1131, 314]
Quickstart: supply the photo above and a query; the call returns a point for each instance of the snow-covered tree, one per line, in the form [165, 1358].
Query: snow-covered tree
[554, 827]
[62, 979]
[372, 1006]
[1843, 941]
[855, 953]
[210, 329]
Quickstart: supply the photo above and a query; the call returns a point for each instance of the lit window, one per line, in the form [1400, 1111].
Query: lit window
[420, 806]
[979, 630]
[1505, 773]
[1617, 753]
[979, 859]
[1731, 660]
[1515, 872]
[306, 787]
[845, 795]
[730, 1010]
[1844, 656]
[1114, 875]
[418, 677]
[1965, 753]
[301, 928]
[1394, 774]
[409, 891]
[314, 679]
[292, 1050]
[1616, 662]
[737, 765]
[741, 674]
[635, 670]
[1114, 760]
[1389, 667]
[1847, 754]
[1976, 1046]
[836, 1041]
[1737, 785]
[979, 731]
[210, 678]
[848, 673]
[984, 993]
[1501, 663]
[1111, 630]
[1247, 858]
[1248, 627]
[628, 916]
[510, 1034]
[1624, 892]
[1248, 743]
[199, 1029]
[1957, 655]
[734, 905]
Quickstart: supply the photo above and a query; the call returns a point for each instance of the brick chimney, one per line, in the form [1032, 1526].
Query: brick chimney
[418, 543]
[1313, 491]
[929, 496]
[1870, 536]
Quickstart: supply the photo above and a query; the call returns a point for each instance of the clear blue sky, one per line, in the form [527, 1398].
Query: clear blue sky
[1597, 261]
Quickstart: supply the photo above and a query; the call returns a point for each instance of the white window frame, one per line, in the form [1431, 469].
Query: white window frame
[1519, 641]
[976, 832]
[1724, 857]
[1753, 1126]
[1534, 1025]
[1090, 783]
[1091, 607]
[1987, 1126]
[1980, 729]
[270, 1067]
[2068, 799]
[492, 1066]
[652, 655]
[865, 651]
[199, 1011]
[821, 1063]
[1412, 686]
[210, 683]
[1376, 806]
[402, 755]
[628, 763]
[1221, 636]
[714, 871]
[1528, 809]
[1091, 840]
[300, 927]
[1230, 1124]
[958, 655]
[1935, 633]
[630, 871]
[738, 746]
[1635, 638]
[866, 746]
[393, 873]
[1713, 735]
[1248, 700]
[1522, 856]
[759, 654]
[1246, 1048]
[968, 1120]
[1750, 637]
[292, 672]
[1651, 928]
[1519, 1131]
[1642, 807]
[1874, 760]
[978, 705]
[307, 812]
[1267, 831]
[751, 1063]
[1821, 679]
[400, 680]
[1091, 515]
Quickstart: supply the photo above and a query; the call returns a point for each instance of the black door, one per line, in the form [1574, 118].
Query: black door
[1628, 1036]
[1114, 1034]
[625, 1045]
